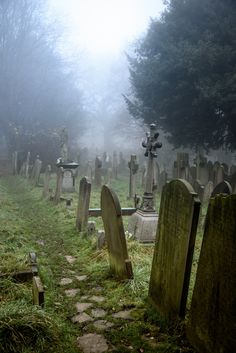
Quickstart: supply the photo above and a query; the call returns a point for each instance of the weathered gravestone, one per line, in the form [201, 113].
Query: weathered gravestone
[57, 195]
[207, 191]
[36, 171]
[133, 167]
[47, 177]
[175, 239]
[97, 172]
[198, 188]
[83, 205]
[68, 181]
[222, 188]
[212, 320]
[115, 236]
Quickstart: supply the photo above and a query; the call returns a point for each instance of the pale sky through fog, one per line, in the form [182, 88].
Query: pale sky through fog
[104, 26]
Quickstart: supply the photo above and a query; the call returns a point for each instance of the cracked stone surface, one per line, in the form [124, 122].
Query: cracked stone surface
[92, 343]
[102, 324]
[98, 313]
[125, 314]
[65, 281]
[80, 307]
[81, 318]
[70, 259]
[98, 299]
[81, 278]
[71, 292]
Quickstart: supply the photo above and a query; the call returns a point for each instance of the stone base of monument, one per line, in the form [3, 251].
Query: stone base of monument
[143, 226]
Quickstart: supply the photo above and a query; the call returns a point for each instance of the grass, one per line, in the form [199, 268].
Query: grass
[28, 223]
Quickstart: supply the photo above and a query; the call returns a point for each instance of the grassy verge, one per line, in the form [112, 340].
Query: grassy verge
[28, 223]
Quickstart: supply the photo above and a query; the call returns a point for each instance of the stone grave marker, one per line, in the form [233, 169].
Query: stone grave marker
[133, 167]
[97, 172]
[47, 177]
[216, 175]
[198, 188]
[192, 174]
[115, 236]
[68, 181]
[57, 195]
[222, 188]
[182, 165]
[38, 291]
[207, 191]
[83, 205]
[175, 239]
[36, 171]
[211, 325]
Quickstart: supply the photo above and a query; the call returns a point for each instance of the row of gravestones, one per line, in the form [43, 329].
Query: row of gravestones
[203, 170]
[211, 326]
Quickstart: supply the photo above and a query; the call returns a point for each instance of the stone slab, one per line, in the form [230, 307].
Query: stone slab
[143, 226]
[92, 343]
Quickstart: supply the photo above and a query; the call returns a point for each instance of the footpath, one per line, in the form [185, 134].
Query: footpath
[93, 312]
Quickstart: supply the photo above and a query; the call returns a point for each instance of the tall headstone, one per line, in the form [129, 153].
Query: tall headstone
[143, 223]
[36, 171]
[175, 239]
[58, 190]
[83, 205]
[115, 236]
[182, 165]
[97, 173]
[207, 191]
[201, 167]
[212, 320]
[133, 169]
[47, 177]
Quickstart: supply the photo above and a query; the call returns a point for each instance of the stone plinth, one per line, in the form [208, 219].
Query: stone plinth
[143, 226]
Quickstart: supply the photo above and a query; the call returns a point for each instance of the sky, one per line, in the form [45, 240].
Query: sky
[104, 27]
[99, 32]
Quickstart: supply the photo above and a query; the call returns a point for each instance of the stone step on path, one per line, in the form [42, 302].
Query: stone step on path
[90, 315]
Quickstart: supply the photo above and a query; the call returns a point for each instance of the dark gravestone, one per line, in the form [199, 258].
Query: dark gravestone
[212, 321]
[115, 236]
[57, 195]
[222, 188]
[175, 239]
[83, 205]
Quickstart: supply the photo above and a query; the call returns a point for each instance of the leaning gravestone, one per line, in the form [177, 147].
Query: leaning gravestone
[212, 320]
[175, 239]
[83, 205]
[115, 236]
[222, 188]
[207, 191]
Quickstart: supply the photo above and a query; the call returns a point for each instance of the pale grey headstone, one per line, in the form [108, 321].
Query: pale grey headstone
[83, 205]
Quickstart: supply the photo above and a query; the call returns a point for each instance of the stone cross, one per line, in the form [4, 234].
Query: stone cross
[151, 144]
[133, 167]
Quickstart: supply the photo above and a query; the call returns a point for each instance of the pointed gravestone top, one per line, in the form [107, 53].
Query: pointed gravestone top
[115, 235]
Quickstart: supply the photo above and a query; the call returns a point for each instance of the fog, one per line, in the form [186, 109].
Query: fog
[99, 34]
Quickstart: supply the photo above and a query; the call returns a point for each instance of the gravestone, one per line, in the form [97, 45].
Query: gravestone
[47, 177]
[175, 239]
[182, 165]
[115, 236]
[83, 205]
[222, 188]
[27, 164]
[198, 188]
[133, 168]
[36, 171]
[192, 174]
[215, 168]
[211, 326]
[163, 179]
[115, 165]
[207, 191]
[57, 195]
[68, 181]
[89, 171]
[38, 292]
[97, 173]
[201, 167]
